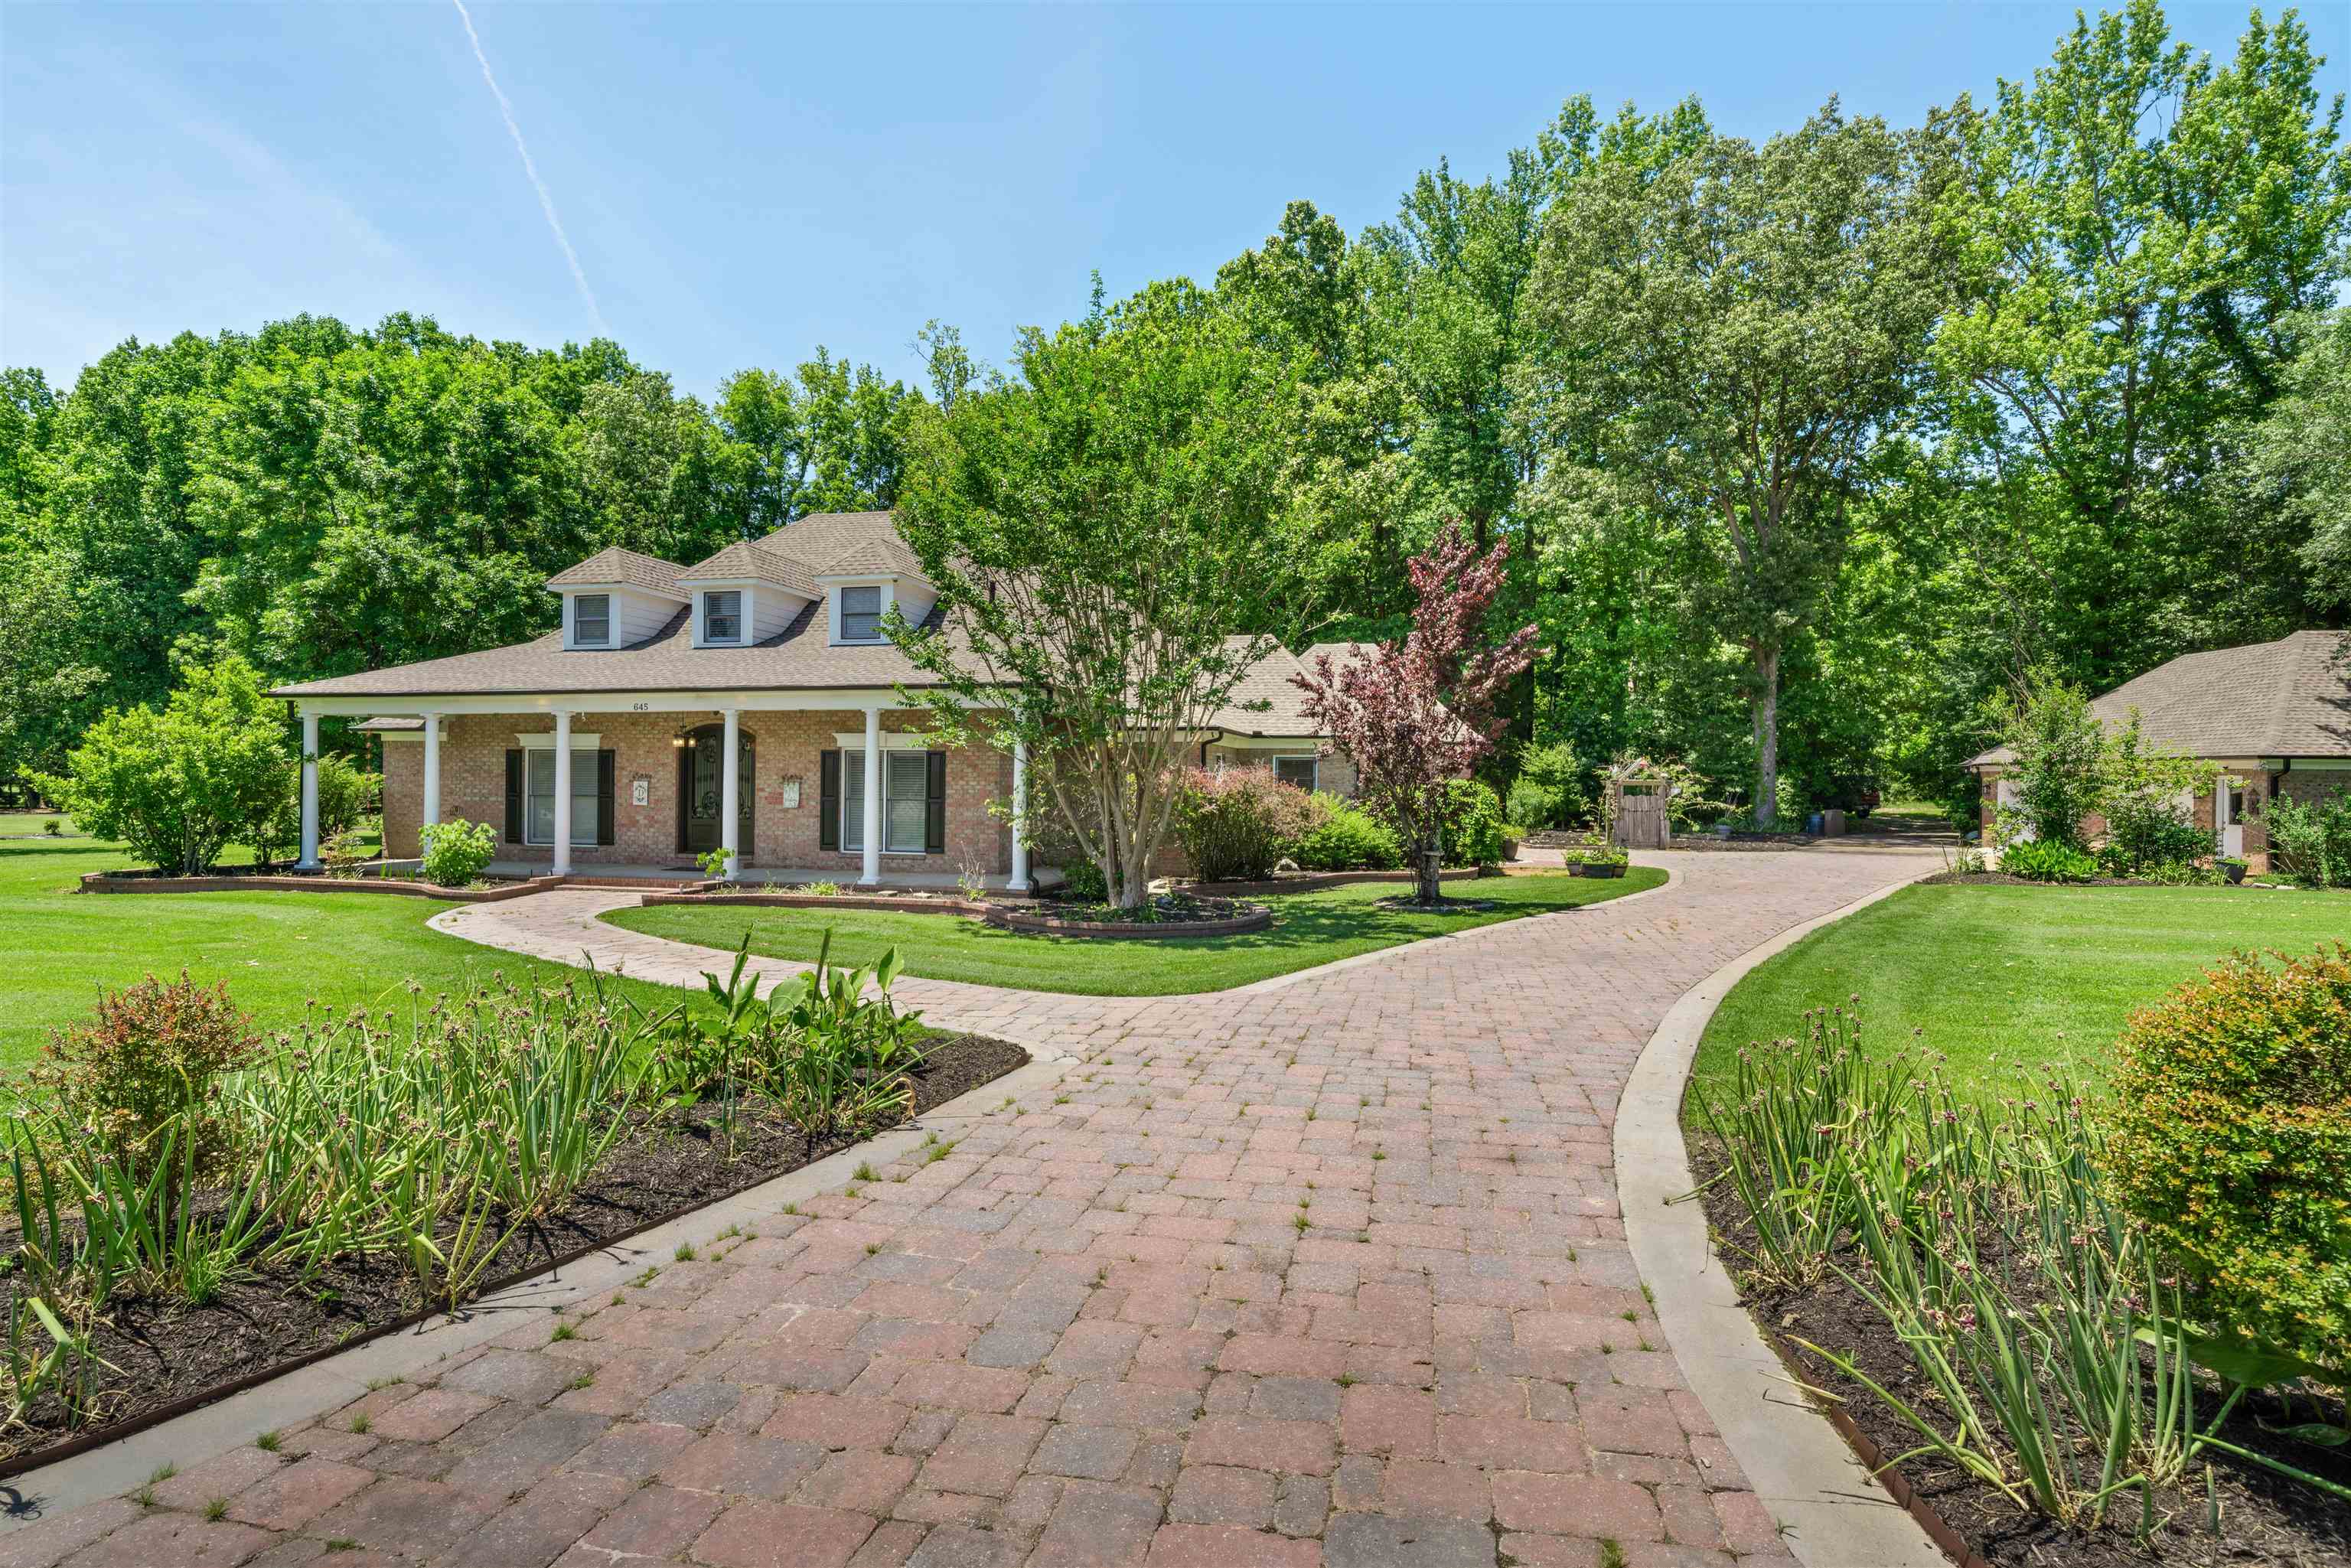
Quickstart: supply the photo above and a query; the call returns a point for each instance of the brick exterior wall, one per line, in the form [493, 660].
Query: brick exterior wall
[783, 745]
[403, 796]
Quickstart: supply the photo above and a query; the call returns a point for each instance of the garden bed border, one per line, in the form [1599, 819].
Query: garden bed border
[103, 1464]
[1317, 881]
[1815, 1482]
[706, 896]
[318, 881]
[1257, 919]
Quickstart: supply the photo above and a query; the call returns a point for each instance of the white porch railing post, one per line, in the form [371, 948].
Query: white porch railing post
[309, 861]
[730, 829]
[431, 811]
[873, 876]
[1020, 882]
[562, 791]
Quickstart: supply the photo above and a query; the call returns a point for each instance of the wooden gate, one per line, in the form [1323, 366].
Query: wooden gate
[1641, 822]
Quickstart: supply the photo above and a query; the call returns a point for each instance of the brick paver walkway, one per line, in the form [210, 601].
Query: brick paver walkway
[1326, 1271]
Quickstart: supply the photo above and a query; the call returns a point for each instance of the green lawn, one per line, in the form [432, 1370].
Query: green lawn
[2007, 980]
[1309, 928]
[275, 950]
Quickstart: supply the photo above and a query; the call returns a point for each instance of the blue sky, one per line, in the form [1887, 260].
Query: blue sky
[743, 183]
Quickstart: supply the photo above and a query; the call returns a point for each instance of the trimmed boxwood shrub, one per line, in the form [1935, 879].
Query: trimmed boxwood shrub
[2231, 1142]
[1346, 838]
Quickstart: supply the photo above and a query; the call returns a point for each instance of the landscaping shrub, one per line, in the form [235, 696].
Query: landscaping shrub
[456, 851]
[1473, 824]
[2060, 753]
[152, 1057]
[2140, 789]
[2045, 860]
[1346, 838]
[2231, 1142]
[2310, 843]
[1081, 881]
[1237, 825]
[1554, 789]
[181, 784]
[345, 795]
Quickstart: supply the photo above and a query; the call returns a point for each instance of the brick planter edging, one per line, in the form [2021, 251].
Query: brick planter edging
[1113, 930]
[1316, 881]
[115, 882]
[903, 902]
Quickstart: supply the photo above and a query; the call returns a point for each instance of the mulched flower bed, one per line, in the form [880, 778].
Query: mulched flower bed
[171, 1356]
[2266, 1518]
[1163, 914]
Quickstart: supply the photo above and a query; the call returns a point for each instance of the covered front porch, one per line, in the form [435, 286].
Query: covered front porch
[788, 788]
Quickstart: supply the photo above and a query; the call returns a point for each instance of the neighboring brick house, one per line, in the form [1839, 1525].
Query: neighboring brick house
[748, 702]
[2275, 716]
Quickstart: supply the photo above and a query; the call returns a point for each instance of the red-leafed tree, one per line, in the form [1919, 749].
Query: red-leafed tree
[1417, 714]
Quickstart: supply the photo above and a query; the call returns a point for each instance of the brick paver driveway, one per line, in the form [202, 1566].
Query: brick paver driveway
[1327, 1270]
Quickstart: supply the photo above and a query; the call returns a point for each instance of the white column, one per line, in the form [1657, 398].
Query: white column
[730, 829]
[309, 861]
[1020, 882]
[873, 877]
[562, 791]
[431, 813]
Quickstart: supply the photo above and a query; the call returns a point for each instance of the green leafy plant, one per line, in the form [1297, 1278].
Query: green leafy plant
[2231, 1144]
[456, 852]
[1346, 838]
[345, 795]
[2057, 775]
[181, 784]
[2047, 860]
[2310, 842]
[717, 864]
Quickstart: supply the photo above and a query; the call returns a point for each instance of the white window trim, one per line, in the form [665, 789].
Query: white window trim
[852, 803]
[1313, 760]
[742, 637]
[571, 602]
[580, 743]
[889, 587]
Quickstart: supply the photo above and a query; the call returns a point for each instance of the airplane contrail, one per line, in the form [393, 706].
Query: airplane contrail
[546, 201]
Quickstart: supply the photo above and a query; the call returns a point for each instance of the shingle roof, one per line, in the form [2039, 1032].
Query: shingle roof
[873, 557]
[627, 566]
[2287, 698]
[1271, 681]
[744, 559]
[386, 725]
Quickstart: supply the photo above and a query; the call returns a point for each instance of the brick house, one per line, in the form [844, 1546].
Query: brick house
[748, 702]
[2275, 717]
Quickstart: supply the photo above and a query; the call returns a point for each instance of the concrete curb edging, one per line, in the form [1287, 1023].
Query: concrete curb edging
[324, 1385]
[1833, 1513]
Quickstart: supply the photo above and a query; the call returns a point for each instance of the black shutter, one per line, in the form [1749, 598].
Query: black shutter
[514, 796]
[685, 791]
[935, 819]
[604, 797]
[828, 800]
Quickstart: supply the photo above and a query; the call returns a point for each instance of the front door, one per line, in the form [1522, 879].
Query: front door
[2228, 816]
[701, 794]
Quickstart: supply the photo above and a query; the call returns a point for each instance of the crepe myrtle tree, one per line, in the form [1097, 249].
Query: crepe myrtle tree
[1103, 529]
[1416, 715]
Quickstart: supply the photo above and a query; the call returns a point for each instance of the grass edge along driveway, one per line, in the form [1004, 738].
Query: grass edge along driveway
[275, 950]
[1310, 929]
[2008, 980]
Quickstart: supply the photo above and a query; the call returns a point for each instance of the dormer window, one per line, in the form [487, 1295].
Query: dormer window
[722, 615]
[591, 620]
[861, 614]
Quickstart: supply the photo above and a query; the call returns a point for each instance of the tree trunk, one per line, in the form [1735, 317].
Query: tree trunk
[1764, 702]
[1426, 866]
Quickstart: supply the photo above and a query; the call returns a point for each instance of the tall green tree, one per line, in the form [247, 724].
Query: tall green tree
[1741, 325]
[1105, 533]
[2133, 232]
